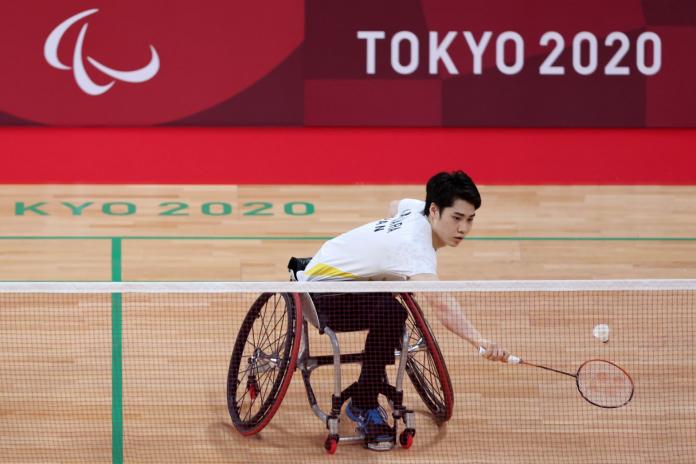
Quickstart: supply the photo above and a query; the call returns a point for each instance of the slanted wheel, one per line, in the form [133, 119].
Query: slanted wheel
[426, 366]
[263, 360]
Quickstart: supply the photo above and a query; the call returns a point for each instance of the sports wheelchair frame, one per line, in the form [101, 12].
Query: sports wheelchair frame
[273, 341]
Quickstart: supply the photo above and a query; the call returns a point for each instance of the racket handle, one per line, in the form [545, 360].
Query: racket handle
[510, 360]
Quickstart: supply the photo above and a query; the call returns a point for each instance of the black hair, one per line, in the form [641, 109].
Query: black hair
[445, 187]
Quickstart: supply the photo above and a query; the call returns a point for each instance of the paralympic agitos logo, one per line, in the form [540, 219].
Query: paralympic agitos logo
[149, 62]
[82, 78]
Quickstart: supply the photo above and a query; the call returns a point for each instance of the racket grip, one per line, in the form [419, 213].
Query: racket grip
[510, 360]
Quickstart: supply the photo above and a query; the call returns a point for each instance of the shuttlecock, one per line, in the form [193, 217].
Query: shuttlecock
[601, 332]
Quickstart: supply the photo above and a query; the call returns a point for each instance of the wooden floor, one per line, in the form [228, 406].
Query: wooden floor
[55, 405]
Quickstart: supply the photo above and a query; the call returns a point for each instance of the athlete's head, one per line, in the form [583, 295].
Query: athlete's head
[451, 201]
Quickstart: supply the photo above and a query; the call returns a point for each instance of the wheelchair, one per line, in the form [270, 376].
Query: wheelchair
[273, 342]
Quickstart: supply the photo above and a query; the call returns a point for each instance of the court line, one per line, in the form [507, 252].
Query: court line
[116, 357]
[312, 238]
[116, 269]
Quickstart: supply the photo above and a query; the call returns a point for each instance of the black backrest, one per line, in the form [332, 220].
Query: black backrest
[297, 264]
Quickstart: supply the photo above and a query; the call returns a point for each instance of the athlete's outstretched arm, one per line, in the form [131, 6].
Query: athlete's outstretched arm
[452, 316]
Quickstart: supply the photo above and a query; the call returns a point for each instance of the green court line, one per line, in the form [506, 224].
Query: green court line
[323, 238]
[116, 357]
[116, 259]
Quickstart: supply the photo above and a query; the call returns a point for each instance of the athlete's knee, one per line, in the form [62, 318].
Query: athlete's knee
[398, 312]
[403, 313]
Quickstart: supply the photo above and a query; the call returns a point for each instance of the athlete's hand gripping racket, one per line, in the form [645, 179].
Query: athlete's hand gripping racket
[601, 383]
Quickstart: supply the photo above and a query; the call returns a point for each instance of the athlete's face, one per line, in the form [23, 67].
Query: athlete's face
[452, 224]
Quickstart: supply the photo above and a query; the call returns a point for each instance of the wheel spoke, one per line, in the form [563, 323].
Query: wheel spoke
[265, 382]
[284, 333]
[434, 388]
[264, 341]
[276, 348]
[264, 327]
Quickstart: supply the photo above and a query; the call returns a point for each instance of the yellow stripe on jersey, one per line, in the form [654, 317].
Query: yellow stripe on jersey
[324, 270]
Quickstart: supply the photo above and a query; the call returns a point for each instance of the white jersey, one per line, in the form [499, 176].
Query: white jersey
[388, 249]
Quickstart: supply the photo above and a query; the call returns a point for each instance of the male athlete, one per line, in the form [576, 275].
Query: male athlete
[401, 247]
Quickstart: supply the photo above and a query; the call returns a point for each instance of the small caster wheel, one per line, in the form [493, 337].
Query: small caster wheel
[406, 438]
[331, 444]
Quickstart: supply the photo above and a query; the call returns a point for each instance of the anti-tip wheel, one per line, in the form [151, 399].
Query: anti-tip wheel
[331, 444]
[406, 438]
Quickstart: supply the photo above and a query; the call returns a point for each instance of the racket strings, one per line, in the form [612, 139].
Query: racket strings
[604, 384]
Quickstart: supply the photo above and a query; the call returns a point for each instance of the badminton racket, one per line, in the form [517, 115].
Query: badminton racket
[600, 382]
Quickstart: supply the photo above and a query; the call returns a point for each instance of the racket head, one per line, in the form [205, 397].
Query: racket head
[604, 384]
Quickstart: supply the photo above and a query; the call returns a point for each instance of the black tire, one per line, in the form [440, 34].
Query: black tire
[426, 366]
[263, 360]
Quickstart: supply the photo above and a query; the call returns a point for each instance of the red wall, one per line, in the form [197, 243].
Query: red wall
[346, 156]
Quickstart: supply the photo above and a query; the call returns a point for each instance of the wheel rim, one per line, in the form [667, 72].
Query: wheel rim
[262, 362]
[426, 366]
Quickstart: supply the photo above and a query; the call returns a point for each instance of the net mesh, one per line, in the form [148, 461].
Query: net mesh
[120, 373]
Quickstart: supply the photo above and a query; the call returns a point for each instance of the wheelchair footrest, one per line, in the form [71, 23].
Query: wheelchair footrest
[399, 413]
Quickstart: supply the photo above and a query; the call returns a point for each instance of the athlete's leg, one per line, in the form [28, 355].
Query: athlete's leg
[383, 316]
[387, 320]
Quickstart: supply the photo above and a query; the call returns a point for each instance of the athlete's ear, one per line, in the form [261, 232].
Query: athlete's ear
[434, 210]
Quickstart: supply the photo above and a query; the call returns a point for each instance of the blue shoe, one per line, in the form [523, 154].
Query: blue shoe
[374, 425]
